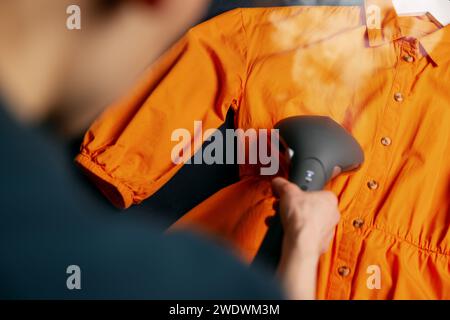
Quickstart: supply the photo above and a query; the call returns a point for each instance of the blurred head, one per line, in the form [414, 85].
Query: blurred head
[47, 70]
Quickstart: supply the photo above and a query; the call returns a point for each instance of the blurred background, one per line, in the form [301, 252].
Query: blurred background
[60, 80]
[219, 6]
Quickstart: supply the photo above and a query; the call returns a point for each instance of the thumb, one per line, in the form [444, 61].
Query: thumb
[280, 186]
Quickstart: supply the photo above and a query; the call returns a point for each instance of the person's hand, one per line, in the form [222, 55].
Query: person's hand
[308, 219]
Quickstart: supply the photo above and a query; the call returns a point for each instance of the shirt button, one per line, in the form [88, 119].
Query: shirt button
[372, 184]
[408, 58]
[344, 271]
[358, 223]
[398, 97]
[386, 141]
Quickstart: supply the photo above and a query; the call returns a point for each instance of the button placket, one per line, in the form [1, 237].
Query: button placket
[362, 212]
[387, 131]
[341, 278]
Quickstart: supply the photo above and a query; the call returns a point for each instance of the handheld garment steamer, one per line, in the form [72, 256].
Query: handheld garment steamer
[316, 145]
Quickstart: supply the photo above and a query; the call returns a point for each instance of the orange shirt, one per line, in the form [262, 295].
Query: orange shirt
[384, 78]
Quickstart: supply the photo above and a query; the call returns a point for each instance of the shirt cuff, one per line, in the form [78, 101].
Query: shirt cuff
[116, 191]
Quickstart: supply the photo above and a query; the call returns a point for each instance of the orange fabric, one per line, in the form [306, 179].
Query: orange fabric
[380, 78]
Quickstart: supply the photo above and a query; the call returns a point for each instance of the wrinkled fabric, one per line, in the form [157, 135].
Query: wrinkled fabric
[385, 78]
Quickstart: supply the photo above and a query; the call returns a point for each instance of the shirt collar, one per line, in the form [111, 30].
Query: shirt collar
[384, 26]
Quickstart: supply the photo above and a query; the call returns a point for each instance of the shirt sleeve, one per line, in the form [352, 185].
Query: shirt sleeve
[127, 151]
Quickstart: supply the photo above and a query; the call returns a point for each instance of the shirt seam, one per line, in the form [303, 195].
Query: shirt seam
[245, 78]
[417, 246]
